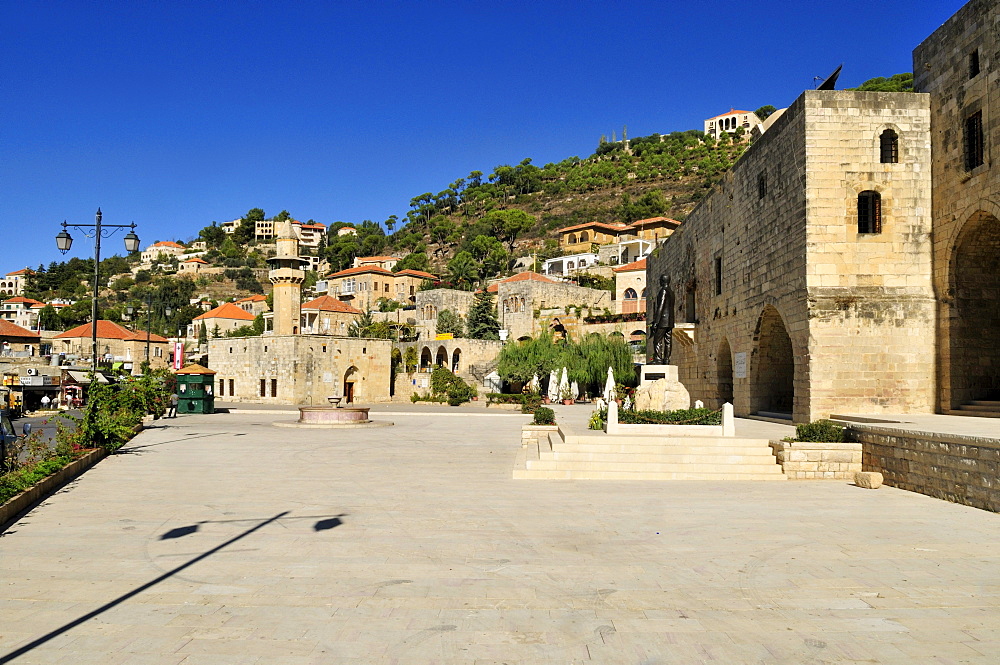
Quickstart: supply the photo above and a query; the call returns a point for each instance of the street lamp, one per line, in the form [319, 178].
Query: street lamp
[167, 311]
[64, 241]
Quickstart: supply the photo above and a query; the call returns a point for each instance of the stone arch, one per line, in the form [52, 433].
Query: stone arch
[425, 359]
[724, 372]
[584, 237]
[630, 294]
[441, 359]
[616, 333]
[572, 238]
[456, 359]
[972, 370]
[524, 338]
[772, 385]
[351, 379]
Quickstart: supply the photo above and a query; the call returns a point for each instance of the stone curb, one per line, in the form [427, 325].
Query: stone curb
[24, 502]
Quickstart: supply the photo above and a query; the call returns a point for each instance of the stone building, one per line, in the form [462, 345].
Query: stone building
[432, 302]
[115, 343]
[12, 284]
[804, 278]
[731, 121]
[301, 369]
[17, 342]
[328, 316]
[519, 296]
[470, 359]
[161, 251]
[222, 319]
[630, 287]
[958, 67]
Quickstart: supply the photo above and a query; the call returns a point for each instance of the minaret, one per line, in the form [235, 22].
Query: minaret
[287, 279]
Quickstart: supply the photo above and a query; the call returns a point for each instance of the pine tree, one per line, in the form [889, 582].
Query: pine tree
[483, 322]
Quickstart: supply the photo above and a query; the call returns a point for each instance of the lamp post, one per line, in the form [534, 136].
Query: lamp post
[64, 241]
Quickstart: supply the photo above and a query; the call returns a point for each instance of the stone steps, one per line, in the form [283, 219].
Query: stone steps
[623, 457]
[538, 474]
[980, 407]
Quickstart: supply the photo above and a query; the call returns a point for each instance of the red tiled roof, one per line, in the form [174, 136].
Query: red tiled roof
[417, 273]
[165, 243]
[19, 300]
[330, 304]
[521, 277]
[254, 298]
[731, 112]
[635, 265]
[653, 220]
[587, 225]
[8, 329]
[107, 330]
[316, 225]
[359, 270]
[196, 260]
[22, 271]
[226, 311]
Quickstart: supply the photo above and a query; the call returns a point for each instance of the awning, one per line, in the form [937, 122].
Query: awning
[83, 378]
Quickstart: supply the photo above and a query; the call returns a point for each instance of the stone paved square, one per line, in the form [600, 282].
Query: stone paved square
[222, 539]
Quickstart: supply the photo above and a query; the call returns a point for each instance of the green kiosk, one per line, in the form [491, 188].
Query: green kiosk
[195, 389]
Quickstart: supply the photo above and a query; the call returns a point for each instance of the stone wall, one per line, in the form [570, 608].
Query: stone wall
[771, 270]
[804, 460]
[961, 469]
[432, 302]
[470, 359]
[543, 295]
[299, 369]
[966, 206]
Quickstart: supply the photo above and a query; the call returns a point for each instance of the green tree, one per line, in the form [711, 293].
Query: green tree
[414, 261]
[245, 233]
[897, 83]
[483, 322]
[202, 334]
[764, 111]
[49, 319]
[450, 322]
[508, 225]
[212, 235]
[410, 358]
[463, 271]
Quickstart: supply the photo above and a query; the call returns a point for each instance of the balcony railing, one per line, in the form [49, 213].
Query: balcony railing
[633, 306]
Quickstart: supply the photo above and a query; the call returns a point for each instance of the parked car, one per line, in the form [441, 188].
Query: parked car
[8, 436]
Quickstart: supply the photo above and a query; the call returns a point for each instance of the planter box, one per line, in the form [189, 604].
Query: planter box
[806, 460]
[31, 497]
[727, 428]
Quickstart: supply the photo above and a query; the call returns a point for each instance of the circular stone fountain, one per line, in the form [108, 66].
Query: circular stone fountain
[333, 417]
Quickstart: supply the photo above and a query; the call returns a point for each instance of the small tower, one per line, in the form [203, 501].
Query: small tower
[287, 277]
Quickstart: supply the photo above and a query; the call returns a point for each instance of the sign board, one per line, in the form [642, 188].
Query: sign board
[38, 381]
[740, 365]
[445, 336]
[178, 355]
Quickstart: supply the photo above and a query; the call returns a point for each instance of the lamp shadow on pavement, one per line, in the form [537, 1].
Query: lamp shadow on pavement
[323, 523]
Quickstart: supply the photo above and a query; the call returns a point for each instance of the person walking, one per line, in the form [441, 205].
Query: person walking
[172, 411]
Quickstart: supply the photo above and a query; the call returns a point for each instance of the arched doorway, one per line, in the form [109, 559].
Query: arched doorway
[350, 378]
[773, 385]
[441, 360]
[724, 373]
[456, 358]
[974, 316]
[425, 360]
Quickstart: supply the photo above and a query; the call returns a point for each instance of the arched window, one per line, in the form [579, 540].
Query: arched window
[889, 147]
[630, 294]
[869, 212]
[583, 237]
[572, 238]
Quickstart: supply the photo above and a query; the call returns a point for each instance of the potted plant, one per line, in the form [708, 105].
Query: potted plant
[567, 396]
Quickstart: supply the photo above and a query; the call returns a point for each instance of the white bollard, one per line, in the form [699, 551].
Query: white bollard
[728, 422]
[698, 404]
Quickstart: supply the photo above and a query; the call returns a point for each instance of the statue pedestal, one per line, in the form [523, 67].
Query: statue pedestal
[655, 372]
[660, 390]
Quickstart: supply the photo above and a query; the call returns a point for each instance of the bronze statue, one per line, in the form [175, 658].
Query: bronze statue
[662, 322]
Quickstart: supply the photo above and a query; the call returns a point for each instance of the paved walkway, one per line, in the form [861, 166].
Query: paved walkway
[222, 539]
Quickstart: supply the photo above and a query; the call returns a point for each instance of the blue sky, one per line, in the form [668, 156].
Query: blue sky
[175, 114]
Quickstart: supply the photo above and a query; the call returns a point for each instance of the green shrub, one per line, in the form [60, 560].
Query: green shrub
[449, 387]
[820, 431]
[545, 416]
[598, 419]
[677, 417]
